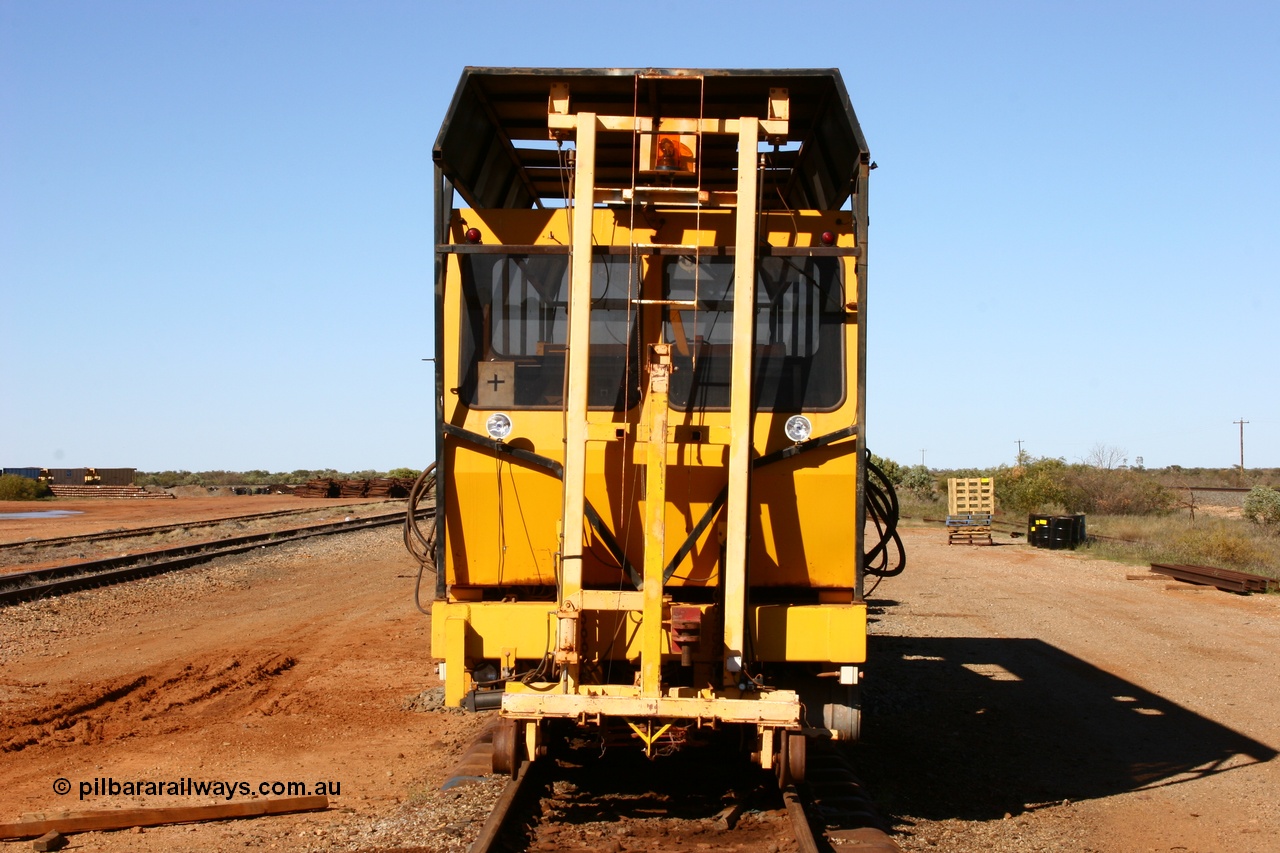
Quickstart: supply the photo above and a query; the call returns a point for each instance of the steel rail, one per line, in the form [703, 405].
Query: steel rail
[800, 802]
[842, 808]
[800, 828]
[55, 541]
[502, 812]
[1227, 580]
[55, 580]
[1212, 488]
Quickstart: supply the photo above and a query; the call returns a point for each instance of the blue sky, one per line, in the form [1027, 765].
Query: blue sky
[215, 245]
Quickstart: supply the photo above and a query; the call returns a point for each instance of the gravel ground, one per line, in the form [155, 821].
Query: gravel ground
[300, 662]
[1020, 699]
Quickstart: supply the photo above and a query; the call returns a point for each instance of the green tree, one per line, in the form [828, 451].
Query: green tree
[892, 470]
[920, 481]
[1112, 491]
[15, 488]
[1033, 486]
[1262, 506]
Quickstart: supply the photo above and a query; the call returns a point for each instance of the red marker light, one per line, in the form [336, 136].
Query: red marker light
[473, 235]
[828, 238]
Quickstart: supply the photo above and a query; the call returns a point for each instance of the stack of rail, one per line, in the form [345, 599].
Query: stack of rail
[353, 488]
[324, 488]
[1228, 580]
[388, 487]
[106, 492]
[379, 487]
[971, 501]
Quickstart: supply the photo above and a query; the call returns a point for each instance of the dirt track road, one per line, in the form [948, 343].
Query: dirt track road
[1021, 699]
[292, 664]
[1017, 700]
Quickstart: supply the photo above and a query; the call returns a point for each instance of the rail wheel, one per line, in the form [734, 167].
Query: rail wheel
[843, 714]
[506, 748]
[792, 758]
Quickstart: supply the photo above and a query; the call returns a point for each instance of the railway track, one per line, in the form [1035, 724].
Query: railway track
[160, 529]
[56, 580]
[693, 800]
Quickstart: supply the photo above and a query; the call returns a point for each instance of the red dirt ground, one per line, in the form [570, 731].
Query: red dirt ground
[291, 664]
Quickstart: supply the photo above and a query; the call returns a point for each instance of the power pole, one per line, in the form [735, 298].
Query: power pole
[922, 450]
[1242, 422]
[1018, 441]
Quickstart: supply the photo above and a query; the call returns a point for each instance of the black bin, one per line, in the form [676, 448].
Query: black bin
[1056, 532]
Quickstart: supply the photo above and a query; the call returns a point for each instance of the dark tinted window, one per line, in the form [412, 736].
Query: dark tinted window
[799, 340]
[515, 325]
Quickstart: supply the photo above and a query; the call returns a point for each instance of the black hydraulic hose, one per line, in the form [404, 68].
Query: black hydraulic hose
[421, 545]
[882, 508]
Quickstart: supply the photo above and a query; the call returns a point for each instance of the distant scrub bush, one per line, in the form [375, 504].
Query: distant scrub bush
[1051, 485]
[1112, 492]
[1262, 506]
[257, 477]
[1035, 485]
[892, 470]
[920, 482]
[15, 488]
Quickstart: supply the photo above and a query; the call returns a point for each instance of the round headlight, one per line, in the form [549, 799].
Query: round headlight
[499, 426]
[798, 428]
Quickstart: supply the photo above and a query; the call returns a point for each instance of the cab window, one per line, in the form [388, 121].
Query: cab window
[799, 341]
[515, 327]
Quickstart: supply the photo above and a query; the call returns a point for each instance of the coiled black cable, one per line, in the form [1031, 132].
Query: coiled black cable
[882, 508]
[421, 543]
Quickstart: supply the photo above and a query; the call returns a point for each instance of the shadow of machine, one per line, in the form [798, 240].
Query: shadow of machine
[974, 728]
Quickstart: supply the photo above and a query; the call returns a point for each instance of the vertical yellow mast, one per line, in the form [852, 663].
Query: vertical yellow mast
[744, 277]
[655, 522]
[575, 451]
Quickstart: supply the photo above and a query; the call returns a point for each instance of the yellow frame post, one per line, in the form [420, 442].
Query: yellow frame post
[455, 655]
[744, 280]
[860, 502]
[655, 501]
[579, 344]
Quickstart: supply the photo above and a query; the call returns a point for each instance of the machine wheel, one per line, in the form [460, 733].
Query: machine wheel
[791, 758]
[506, 748]
[843, 713]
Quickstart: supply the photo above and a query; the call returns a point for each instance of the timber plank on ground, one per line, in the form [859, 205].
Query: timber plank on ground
[107, 819]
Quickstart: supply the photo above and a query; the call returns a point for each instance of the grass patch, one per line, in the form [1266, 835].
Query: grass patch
[915, 509]
[1226, 543]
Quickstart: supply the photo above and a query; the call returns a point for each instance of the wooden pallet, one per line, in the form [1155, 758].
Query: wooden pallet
[971, 495]
[970, 519]
[970, 536]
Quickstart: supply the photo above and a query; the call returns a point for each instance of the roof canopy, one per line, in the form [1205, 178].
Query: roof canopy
[494, 145]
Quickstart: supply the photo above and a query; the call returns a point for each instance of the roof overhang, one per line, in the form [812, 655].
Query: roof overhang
[495, 148]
